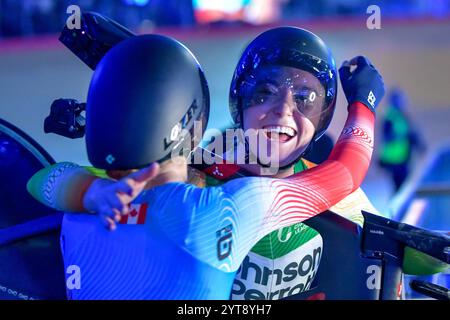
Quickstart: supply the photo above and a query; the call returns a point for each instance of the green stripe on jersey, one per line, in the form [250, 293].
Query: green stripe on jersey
[284, 240]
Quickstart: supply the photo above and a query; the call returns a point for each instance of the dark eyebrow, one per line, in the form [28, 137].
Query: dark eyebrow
[306, 87]
[317, 89]
[267, 81]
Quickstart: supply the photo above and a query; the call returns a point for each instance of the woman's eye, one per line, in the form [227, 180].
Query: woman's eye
[306, 101]
[260, 98]
[263, 94]
[301, 98]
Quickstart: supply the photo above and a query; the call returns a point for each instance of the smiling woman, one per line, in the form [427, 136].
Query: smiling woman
[285, 85]
[285, 103]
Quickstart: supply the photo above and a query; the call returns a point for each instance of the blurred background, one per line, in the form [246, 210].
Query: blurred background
[411, 50]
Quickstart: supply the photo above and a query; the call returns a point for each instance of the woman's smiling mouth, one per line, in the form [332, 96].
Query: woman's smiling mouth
[279, 133]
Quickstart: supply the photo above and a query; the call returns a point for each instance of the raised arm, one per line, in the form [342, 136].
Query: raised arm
[321, 187]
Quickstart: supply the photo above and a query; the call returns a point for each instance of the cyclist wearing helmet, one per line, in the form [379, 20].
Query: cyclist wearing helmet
[285, 84]
[250, 192]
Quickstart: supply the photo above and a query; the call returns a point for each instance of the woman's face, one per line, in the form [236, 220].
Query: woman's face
[277, 102]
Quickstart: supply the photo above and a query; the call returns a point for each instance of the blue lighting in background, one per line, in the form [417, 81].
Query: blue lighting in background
[229, 6]
[139, 3]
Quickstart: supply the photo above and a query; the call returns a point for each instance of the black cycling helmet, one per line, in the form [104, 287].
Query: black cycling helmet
[291, 47]
[144, 97]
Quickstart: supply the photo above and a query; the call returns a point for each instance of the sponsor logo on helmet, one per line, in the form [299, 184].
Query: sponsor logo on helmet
[175, 132]
[178, 128]
[110, 158]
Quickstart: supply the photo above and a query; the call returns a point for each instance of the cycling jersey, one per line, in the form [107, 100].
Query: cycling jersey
[188, 242]
[284, 262]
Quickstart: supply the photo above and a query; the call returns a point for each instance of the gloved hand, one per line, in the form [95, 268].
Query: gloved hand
[364, 84]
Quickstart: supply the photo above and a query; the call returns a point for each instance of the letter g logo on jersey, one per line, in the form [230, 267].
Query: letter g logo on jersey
[224, 242]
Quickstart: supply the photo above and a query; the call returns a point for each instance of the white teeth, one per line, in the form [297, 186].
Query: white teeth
[280, 129]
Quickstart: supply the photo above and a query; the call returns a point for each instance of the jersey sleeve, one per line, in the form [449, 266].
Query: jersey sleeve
[62, 186]
[316, 190]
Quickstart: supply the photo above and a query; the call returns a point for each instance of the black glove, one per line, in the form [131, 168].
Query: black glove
[364, 84]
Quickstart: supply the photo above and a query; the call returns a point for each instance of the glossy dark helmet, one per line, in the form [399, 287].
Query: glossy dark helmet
[291, 47]
[144, 97]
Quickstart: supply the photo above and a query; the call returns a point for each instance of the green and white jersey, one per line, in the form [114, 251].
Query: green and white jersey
[285, 262]
[282, 264]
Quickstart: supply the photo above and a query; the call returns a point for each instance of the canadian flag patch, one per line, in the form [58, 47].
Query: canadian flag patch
[137, 214]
